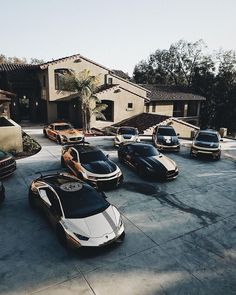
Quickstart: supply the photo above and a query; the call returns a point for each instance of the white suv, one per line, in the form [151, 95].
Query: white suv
[126, 134]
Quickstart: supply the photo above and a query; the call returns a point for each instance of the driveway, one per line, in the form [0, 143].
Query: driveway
[180, 235]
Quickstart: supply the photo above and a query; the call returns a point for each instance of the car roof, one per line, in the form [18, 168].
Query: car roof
[208, 131]
[138, 144]
[82, 148]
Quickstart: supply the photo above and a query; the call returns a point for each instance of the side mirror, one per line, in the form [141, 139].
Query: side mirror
[177, 134]
[221, 139]
[107, 155]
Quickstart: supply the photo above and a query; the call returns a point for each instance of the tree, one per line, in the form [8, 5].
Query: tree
[86, 85]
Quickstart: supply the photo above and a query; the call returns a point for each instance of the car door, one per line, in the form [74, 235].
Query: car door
[50, 205]
[72, 160]
[51, 132]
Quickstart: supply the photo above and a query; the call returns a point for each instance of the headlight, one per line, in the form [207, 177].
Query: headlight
[117, 139]
[64, 137]
[80, 237]
[119, 174]
[176, 169]
[150, 169]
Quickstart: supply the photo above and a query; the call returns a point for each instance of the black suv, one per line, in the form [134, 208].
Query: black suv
[7, 164]
[206, 142]
[165, 138]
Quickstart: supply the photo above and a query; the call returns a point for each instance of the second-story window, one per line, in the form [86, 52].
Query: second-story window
[109, 81]
[44, 81]
[60, 79]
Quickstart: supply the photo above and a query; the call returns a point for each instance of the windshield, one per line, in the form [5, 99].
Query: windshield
[82, 203]
[131, 131]
[63, 127]
[146, 150]
[166, 132]
[207, 137]
[93, 156]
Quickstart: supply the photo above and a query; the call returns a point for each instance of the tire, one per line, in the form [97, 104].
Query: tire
[58, 139]
[31, 199]
[63, 165]
[121, 237]
[45, 133]
[61, 235]
[120, 159]
[2, 196]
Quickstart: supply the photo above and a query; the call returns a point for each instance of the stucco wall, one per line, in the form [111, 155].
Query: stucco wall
[162, 109]
[182, 128]
[121, 111]
[11, 137]
[78, 67]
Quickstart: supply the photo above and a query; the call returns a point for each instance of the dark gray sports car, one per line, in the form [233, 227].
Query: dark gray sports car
[147, 161]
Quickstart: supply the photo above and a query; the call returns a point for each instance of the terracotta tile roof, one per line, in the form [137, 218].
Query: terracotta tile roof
[5, 67]
[170, 93]
[105, 87]
[142, 121]
[122, 75]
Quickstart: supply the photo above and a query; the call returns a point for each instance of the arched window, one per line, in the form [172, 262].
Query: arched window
[109, 111]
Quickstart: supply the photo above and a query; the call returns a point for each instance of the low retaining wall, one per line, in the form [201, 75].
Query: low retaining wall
[10, 136]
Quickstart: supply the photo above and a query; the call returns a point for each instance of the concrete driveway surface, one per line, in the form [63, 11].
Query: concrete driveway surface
[180, 235]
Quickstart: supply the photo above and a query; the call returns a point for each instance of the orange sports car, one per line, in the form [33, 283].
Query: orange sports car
[63, 133]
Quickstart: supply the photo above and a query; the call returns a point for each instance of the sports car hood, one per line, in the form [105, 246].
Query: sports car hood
[97, 225]
[159, 162]
[127, 137]
[71, 133]
[100, 167]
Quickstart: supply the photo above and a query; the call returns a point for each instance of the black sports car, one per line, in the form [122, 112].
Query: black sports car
[147, 161]
[91, 165]
[2, 193]
[165, 138]
[7, 164]
[80, 215]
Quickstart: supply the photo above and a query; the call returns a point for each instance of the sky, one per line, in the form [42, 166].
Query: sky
[116, 34]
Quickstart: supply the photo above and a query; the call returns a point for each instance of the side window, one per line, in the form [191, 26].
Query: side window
[54, 201]
[74, 155]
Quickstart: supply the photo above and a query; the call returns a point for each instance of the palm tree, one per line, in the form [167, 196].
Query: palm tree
[86, 85]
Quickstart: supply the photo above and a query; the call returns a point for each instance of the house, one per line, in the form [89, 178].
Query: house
[173, 101]
[42, 95]
[10, 132]
[123, 98]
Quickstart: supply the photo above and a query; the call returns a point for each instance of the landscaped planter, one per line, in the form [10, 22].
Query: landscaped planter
[10, 136]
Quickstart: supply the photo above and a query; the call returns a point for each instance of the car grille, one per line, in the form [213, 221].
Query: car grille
[75, 138]
[7, 167]
[6, 162]
[171, 173]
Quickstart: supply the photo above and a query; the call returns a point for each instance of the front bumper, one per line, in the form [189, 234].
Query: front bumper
[195, 151]
[96, 242]
[72, 140]
[171, 148]
[168, 175]
[106, 183]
